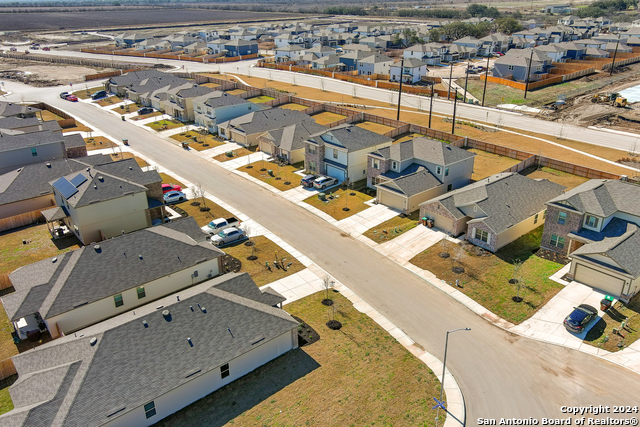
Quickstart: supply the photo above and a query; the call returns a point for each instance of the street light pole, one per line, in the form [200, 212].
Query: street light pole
[450, 77]
[444, 365]
[466, 80]
[455, 104]
[400, 89]
[431, 104]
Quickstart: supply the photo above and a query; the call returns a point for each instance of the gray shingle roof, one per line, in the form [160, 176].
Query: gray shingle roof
[8, 109]
[86, 275]
[15, 122]
[74, 141]
[351, 137]
[219, 99]
[263, 121]
[602, 197]
[131, 364]
[413, 183]
[31, 139]
[292, 137]
[427, 149]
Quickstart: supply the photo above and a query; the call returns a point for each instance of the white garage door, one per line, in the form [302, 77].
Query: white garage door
[265, 147]
[597, 279]
[439, 221]
[336, 173]
[391, 199]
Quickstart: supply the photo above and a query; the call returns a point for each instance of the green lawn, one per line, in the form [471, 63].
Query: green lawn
[357, 376]
[260, 99]
[486, 278]
[281, 174]
[5, 399]
[161, 125]
[392, 228]
[341, 199]
[601, 334]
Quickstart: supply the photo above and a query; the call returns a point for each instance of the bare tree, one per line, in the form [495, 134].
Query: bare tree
[456, 257]
[327, 284]
[200, 193]
[322, 85]
[632, 149]
[355, 96]
[517, 278]
[444, 247]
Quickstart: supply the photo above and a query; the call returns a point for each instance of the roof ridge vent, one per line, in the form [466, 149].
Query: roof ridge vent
[97, 248]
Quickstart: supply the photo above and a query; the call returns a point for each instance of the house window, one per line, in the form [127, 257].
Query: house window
[482, 235]
[562, 217]
[118, 300]
[375, 163]
[538, 67]
[446, 171]
[449, 187]
[335, 154]
[510, 67]
[141, 292]
[150, 409]
[535, 219]
[394, 165]
[592, 221]
[557, 241]
[313, 167]
[224, 370]
[34, 152]
[439, 170]
[312, 149]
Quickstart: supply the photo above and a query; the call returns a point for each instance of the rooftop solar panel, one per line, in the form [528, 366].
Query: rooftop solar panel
[65, 188]
[78, 179]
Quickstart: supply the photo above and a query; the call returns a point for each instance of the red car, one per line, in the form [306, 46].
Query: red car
[46, 48]
[170, 187]
[72, 98]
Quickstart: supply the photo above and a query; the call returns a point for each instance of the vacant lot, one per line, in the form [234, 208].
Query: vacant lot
[486, 278]
[357, 376]
[282, 177]
[340, 203]
[375, 127]
[326, 117]
[392, 228]
[197, 141]
[568, 180]
[486, 164]
[99, 143]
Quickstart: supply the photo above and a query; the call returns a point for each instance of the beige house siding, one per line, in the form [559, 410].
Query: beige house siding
[30, 205]
[520, 229]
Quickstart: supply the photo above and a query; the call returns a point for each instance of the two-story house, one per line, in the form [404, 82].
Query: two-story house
[107, 200]
[216, 107]
[596, 225]
[341, 152]
[288, 52]
[417, 170]
[375, 64]
[496, 43]
[494, 211]
[128, 40]
[178, 102]
[288, 143]
[412, 72]
[516, 64]
[246, 129]
[431, 53]
[240, 47]
[471, 42]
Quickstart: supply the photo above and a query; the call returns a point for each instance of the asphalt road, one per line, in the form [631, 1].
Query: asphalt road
[500, 374]
[466, 111]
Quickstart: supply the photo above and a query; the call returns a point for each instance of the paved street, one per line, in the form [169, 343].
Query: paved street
[500, 374]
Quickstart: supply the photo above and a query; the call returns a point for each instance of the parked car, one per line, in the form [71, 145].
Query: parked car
[71, 98]
[170, 187]
[227, 236]
[64, 95]
[145, 110]
[471, 71]
[46, 49]
[324, 182]
[13, 49]
[579, 318]
[217, 225]
[35, 47]
[307, 181]
[99, 94]
[174, 197]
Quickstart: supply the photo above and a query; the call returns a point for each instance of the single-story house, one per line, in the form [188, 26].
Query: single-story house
[288, 143]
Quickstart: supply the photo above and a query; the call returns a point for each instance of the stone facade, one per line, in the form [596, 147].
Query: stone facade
[317, 158]
[154, 191]
[572, 224]
[75, 152]
[372, 172]
[493, 238]
[458, 226]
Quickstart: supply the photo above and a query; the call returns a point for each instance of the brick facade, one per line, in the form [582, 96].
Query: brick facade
[75, 152]
[572, 224]
[154, 191]
[372, 172]
[458, 226]
[493, 238]
[317, 158]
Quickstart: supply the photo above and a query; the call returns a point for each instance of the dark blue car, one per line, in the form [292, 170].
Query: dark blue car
[307, 181]
[579, 318]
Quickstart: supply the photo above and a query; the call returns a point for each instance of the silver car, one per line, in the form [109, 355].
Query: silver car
[227, 236]
[324, 182]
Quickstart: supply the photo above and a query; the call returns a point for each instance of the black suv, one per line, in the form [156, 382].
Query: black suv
[99, 94]
[145, 110]
[307, 181]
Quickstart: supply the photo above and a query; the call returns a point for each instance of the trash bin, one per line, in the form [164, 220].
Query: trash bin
[270, 172]
[322, 196]
[123, 119]
[605, 304]
[430, 223]
[423, 221]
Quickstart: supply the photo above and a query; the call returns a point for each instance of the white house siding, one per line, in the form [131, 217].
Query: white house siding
[342, 155]
[206, 383]
[221, 114]
[105, 308]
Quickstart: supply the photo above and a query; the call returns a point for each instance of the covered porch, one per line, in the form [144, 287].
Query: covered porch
[56, 223]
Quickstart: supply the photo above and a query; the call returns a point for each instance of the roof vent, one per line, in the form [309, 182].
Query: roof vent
[130, 168]
[88, 169]
[93, 341]
[20, 170]
[101, 178]
[204, 309]
[166, 315]
[95, 187]
[140, 256]
[159, 307]
[190, 342]
[144, 322]
[97, 248]
[54, 259]
[48, 164]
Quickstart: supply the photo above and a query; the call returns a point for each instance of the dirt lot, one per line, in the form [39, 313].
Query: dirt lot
[43, 73]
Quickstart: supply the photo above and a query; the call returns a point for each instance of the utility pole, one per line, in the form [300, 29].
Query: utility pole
[431, 104]
[526, 88]
[486, 74]
[455, 103]
[613, 63]
[450, 75]
[466, 80]
[400, 91]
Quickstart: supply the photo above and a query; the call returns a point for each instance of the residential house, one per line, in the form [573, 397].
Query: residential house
[496, 43]
[120, 84]
[246, 129]
[381, 42]
[288, 143]
[558, 8]
[341, 152]
[430, 53]
[11, 109]
[288, 52]
[516, 64]
[143, 365]
[457, 52]
[554, 51]
[413, 71]
[105, 201]
[470, 42]
[196, 47]
[216, 107]
[80, 288]
[596, 225]
[572, 50]
[152, 43]
[411, 172]
[306, 59]
[347, 48]
[125, 40]
[216, 46]
[22, 149]
[328, 61]
[179, 101]
[494, 211]
[350, 60]
[14, 125]
[286, 39]
[375, 64]
[179, 41]
[240, 47]
[320, 51]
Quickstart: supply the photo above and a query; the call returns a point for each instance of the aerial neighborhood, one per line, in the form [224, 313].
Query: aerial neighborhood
[281, 220]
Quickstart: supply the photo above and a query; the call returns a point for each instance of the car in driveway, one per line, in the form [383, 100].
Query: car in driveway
[579, 318]
[99, 94]
[72, 98]
[64, 95]
[174, 197]
[227, 236]
[170, 187]
[145, 110]
[307, 180]
[324, 182]
[46, 49]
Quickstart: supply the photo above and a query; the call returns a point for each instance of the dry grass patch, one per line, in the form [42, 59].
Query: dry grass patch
[47, 116]
[375, 127]
[86, 93]
[146, 116]
[338, 199]
[486, 164]
[281, 174]
[568, 180]
[326, 117]
[6, 404]
[266, 251]
[260, 99]
[99, 143]
[197, 141]
[233, 154]
[486, 278]
[124, 156]
[235, 91]
[602, 335]
[161, 125]
[168, 179]
[392, 228]
[357, 376]
[409, 137]
[202, 217]
[79, 127]
[293, 106]
[105, 102]
[211, 85]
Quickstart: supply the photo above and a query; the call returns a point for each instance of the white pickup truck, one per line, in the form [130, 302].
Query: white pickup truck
[217, 225]
[227, 236]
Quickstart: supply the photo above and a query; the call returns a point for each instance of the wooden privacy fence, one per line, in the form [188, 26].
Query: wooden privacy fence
[108, 74]
[5, 282]
[71, 61]
[21, 220]
[7, 368]
[174, 55]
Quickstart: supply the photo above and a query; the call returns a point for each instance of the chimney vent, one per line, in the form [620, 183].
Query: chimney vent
[48, 165]
[166, 315]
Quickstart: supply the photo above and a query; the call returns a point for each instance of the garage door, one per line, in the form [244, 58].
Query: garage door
[265, 147]
[441, 222]
[391, 199]
[599, 280]
[336, 173]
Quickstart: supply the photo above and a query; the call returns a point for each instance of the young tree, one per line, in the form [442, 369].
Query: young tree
[200, 193]
[517, 278]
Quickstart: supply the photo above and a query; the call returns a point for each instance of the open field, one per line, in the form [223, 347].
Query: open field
[281, 174]
[357, 376]
[335, 207]
[99, 143]
[131, 17]
[40, 74]
[486, 278]
[486, 164]
[375, 127]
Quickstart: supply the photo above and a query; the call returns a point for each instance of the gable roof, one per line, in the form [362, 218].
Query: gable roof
[87, 274]
[130, 364]
[262, 121]
[8, 109]
[602, 197]
[219, 99]
[412, 183]
[349, 136]
[427, 149]
[410, 63]
[31, 139]
[292, 137]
